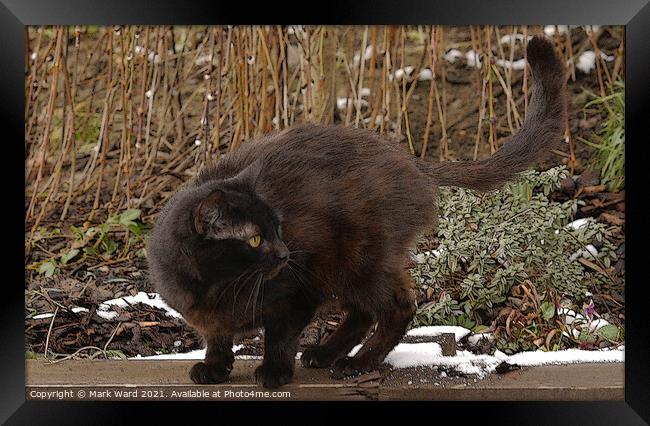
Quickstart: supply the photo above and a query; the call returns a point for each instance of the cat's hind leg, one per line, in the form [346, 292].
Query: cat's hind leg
[351, 332]
[392, 320]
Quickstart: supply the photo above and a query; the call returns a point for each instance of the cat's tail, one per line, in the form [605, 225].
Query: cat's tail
[541, 129]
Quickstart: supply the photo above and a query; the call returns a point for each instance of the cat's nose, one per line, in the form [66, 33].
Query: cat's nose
[283, 255]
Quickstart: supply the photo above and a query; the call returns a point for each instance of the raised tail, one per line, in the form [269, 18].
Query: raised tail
[541, 129]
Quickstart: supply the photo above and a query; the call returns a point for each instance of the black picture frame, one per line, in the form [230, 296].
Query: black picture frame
[634, 14]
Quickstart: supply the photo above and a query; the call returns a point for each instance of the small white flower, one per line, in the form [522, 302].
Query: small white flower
[33, 56]
[207, 76]
[209, 96]
[149, 93]
[139, 50]
[197, 142]
[250, 59]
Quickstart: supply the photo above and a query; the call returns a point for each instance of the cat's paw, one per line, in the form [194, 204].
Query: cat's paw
[317, 357]
[202, 373]
[273, 376]
[350, 366]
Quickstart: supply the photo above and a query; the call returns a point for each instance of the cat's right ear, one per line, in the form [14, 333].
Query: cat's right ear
[207, 212]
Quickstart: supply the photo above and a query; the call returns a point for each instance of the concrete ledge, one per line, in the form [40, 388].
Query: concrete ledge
[165, 379]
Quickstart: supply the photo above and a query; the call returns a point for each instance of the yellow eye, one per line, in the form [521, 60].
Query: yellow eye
[255, 241]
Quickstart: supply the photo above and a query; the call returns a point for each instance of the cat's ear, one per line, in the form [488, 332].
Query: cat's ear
[207, 212]
[249, 175]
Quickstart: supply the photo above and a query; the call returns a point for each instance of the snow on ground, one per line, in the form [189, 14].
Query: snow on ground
[587, 61]
[152, 299]
[519, 64]
[405, 355]
[436, 330]
[50, 315]
[429, 354]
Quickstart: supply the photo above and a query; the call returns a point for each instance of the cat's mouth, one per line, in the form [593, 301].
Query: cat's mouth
[273, 272]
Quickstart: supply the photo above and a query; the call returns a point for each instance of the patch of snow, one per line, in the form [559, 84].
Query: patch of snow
[50, 315]
[429, 354]
[198, 354]
[506, 39]
[587, 60]
[357, 56]
[568, 356]
[577, 224]
[151, 299]
[519, 64]
[591, 28]
[425, 75]
[579, 321]
[473, 59]
[588, 252]
[407, 355]
[342, 103]
[400, 73]
[437, 330]
[474, 339]
[550, 30]
[452, 55]
[203, 60]
[421, 257]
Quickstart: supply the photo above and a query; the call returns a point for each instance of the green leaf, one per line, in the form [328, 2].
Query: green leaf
[48, 268]
[69, 256]
[110, 247]
[90, 251]
[548, 310]
[115, 353]
[129, 216]
[609, 332]
[135, 228]
[481, 328]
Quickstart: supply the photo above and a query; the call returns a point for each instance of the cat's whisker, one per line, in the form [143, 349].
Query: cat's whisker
[238, 291]
[260, 286]
[253, 288]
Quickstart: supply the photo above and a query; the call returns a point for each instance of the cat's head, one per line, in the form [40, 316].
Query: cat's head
[217, 232]
[235, 229]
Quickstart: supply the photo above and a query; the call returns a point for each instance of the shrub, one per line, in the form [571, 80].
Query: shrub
[491, 242]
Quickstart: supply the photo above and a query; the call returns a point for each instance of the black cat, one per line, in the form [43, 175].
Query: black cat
[318, 214]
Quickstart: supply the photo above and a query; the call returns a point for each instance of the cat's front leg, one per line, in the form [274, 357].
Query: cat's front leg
[218, 361]
[281, 335]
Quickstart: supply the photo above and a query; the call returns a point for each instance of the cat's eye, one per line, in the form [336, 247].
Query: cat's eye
[255, 241]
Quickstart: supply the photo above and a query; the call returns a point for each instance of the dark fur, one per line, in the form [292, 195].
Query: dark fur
[347, 206]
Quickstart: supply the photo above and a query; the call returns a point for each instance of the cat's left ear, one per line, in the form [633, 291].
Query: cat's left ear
[249, 175]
